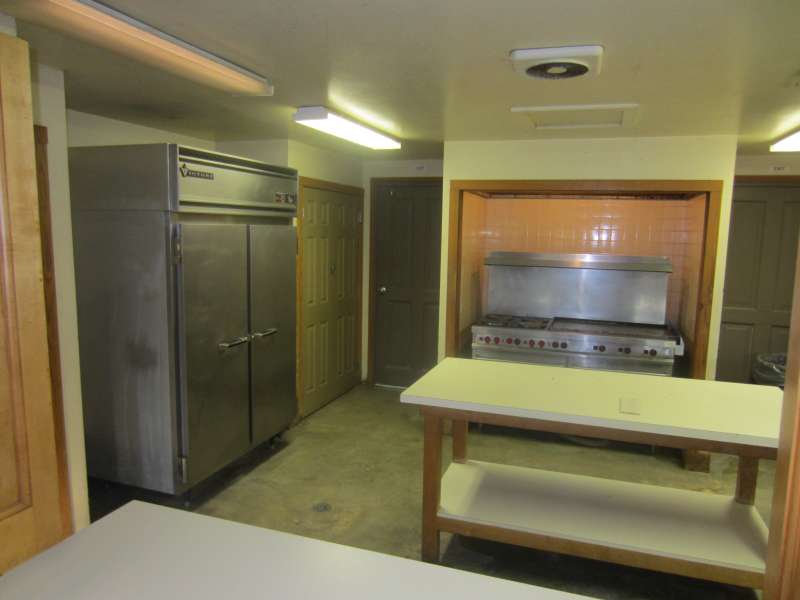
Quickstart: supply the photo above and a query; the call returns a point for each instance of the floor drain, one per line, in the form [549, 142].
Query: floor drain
[322, 507]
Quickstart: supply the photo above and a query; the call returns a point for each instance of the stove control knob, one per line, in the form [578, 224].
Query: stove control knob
[497, 340]
[563, 345]
[509, 341]
[627, 350]
[619, 349]
[531, 343]
[541, 343]
[516, 341]
[602, 348]
[653, 352]
[555, 344]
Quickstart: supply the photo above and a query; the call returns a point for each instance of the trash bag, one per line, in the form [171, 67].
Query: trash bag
[769, 369]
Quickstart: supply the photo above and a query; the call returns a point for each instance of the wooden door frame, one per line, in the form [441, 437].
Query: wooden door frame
[374, 184]
[712, 189]
[328, 186]
[791, 180]
[782, 579]
[51, 311]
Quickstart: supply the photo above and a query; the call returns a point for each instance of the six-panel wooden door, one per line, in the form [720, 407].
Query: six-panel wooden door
[330, 294]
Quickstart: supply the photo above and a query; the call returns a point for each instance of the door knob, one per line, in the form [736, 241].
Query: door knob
[382, 290]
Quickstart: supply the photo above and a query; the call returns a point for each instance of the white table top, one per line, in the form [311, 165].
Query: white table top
[699, 409]
[143, 551]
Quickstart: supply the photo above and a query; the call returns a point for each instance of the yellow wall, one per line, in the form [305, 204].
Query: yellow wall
[92, 130]
[327, 165]
[702, 157]
[776, 163]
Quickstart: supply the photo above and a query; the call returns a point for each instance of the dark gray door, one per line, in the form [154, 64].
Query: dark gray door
[272, 325]
[407, 237]
[759, 277]
[213, 282]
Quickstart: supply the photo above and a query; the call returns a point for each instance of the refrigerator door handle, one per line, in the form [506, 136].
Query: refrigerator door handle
[262, 334]
[223, 346]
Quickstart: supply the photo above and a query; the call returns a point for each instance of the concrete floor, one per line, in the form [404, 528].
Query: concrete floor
[351, 474]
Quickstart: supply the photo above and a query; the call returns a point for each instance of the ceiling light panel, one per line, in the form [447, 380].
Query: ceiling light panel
[790, 143]
[322, 119]
[105, 27]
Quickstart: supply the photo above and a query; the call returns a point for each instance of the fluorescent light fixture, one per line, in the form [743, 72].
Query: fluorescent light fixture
[321, 119]
[103, 26]
[791, 143]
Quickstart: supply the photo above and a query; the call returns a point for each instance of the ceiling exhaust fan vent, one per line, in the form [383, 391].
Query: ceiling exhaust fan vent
[557, 70]
[564, 62]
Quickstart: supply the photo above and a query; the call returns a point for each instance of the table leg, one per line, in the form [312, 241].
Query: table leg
[431, 487]
[746, 480]
[460, 430]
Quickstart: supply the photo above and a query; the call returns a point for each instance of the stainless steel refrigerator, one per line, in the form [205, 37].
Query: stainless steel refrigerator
[185, 271]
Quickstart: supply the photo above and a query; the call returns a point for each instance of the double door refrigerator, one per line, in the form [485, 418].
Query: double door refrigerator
[185, 275]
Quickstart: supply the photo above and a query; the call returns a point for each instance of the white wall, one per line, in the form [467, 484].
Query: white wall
[374, 170]
[701, 157]
[92, 130]
[777, 163]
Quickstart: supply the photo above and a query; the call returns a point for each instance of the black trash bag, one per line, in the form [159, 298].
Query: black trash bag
[769, 369]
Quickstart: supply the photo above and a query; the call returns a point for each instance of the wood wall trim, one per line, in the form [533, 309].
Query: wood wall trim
[589, 186]
[791, 180]
[783, 553]
[711, 188]
[708, 269]
[453, 298]
[331, 186]
[51, 310]
[374, 183]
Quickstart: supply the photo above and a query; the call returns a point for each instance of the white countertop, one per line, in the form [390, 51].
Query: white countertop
[700, 409]
[143, 551]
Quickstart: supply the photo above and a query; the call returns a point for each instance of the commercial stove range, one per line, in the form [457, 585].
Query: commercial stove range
[596, 312]
[581, 343]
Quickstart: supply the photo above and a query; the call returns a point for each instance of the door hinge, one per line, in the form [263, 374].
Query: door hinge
[177, 248]
[360, 217]
[183, 469]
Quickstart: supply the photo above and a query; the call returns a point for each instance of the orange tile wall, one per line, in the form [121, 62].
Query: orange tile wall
[640, 227]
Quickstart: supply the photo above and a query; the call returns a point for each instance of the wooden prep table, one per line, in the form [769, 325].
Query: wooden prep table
[143, 551]
[689, 533]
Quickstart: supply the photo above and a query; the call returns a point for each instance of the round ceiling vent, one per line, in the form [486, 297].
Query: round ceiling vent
[564, 62]
[557, 70]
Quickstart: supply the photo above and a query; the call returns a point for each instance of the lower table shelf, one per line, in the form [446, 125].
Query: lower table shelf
[678, 531]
